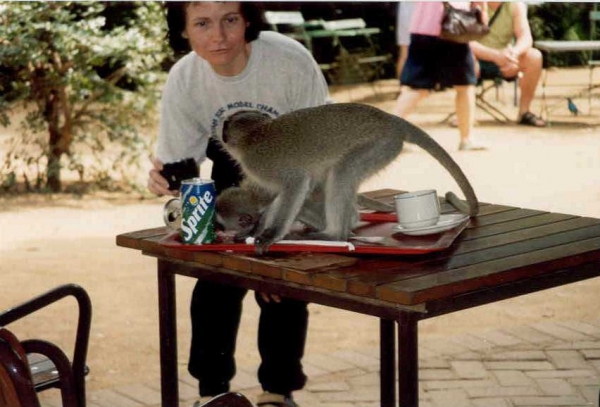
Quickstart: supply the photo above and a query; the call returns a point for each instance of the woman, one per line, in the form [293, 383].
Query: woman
[233, 67]
[435, 64]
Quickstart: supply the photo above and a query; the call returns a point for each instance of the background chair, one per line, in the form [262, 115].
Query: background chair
[486, 84]
[594, 60]
[309, 33]
[359, 59]
[228, 400]
[344, 49]
[33, 365]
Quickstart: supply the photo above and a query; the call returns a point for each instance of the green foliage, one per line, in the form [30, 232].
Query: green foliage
[87, 76]
[561, 21]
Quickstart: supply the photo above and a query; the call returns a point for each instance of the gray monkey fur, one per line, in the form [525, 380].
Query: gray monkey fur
[240, 208]
[334, 147]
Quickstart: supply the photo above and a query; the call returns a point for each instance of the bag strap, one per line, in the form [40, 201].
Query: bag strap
[496, 14]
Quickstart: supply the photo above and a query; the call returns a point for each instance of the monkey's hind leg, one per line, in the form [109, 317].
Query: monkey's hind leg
[281, 213]
[345, 178]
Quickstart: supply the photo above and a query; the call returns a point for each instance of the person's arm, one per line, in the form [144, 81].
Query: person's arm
[480, 5]
[485, 53]
[180, 134]
[524, 39]
[500, 57]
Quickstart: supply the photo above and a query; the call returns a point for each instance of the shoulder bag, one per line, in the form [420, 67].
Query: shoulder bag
[462, 25]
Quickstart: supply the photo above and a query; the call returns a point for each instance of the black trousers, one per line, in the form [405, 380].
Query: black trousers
[216, 311]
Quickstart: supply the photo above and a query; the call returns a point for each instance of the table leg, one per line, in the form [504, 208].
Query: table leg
[408, 361]
[387, 348]
[168, 335]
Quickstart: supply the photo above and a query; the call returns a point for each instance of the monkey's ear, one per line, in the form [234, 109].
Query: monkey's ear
[245, 220]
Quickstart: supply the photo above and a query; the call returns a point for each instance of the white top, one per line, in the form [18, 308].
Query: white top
[281, 76]
[403, 15]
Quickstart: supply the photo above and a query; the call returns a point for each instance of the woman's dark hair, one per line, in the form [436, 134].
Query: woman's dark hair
[176, 10]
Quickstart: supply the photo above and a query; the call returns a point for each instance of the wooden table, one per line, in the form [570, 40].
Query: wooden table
[504, 252]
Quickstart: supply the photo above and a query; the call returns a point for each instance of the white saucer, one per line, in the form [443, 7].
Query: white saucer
[445, 223]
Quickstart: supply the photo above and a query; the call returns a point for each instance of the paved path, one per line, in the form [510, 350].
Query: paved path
[544, 364]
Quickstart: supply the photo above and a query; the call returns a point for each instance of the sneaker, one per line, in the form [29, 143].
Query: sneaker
[470, 146]
[202, 400]
[275, 400]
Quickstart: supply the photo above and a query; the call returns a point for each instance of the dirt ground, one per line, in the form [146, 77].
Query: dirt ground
[50, 240]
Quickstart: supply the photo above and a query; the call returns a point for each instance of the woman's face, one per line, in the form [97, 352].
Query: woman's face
[216, 33]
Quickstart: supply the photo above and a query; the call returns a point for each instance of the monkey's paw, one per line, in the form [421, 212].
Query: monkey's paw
[264, 241]
[241, 237]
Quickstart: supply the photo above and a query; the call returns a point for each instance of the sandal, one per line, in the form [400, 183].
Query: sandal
[529, 119]
[275, 400]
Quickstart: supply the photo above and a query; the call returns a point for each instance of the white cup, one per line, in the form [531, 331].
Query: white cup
[418, 209]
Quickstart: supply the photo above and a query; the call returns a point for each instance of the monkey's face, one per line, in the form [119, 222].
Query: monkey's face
[236, 211]
[237, 222]
[240, 124]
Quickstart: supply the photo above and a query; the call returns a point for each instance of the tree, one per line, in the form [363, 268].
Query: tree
[81, 78]
[561, 21]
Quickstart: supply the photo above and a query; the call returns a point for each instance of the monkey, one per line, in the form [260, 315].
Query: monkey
[239, 209]
[334, 147]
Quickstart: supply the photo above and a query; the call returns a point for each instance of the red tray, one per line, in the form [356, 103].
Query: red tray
[374, 224]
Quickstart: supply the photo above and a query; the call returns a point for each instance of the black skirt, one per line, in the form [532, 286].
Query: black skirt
[437, 64]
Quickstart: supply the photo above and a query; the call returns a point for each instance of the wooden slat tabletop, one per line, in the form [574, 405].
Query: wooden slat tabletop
[502, 244]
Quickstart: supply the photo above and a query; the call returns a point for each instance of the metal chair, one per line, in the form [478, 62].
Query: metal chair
[594, 60]
[488, 107]
[34, 365]
[228, 400]
[483, 87]
[359, 58]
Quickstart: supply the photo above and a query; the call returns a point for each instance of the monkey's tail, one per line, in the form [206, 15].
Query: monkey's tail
[417, 136]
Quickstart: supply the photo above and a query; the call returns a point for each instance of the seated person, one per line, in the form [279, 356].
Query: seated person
[499, 57]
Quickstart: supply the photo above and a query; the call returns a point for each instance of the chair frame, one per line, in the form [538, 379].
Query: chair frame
[338, 71]
[594, 17]
[71, 376]
[20, 390]
[228, 400]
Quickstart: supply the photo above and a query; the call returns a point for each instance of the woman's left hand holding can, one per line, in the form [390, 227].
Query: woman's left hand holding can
[157, 184]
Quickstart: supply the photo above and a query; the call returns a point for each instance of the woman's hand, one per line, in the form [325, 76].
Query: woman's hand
[157, 184]
[270, 297]
[505, 57]
[508, 62]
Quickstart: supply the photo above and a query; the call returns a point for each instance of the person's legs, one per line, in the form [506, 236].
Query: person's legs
[408, 100]
[465, 113]
[530, 64]
[418, 75]
[281, 339]
[215, 311]
[465, 109]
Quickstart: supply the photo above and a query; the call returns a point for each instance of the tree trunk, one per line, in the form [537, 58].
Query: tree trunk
[55, 151]
[53, 170]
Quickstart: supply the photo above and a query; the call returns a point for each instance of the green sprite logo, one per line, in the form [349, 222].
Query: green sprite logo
[197, 220]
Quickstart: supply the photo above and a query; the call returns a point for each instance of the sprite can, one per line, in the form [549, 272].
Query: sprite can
[197, 211]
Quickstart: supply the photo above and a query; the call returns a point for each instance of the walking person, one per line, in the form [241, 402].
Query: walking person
[434, 64]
